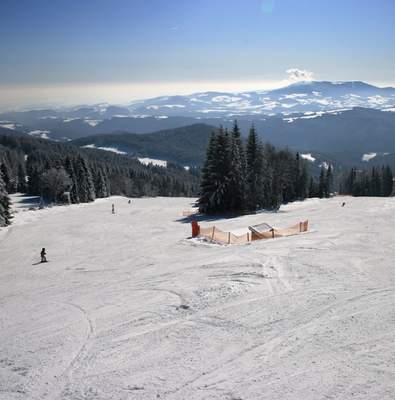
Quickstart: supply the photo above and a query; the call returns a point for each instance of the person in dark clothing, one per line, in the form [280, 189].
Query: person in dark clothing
[43, 255]
[113, 209]
[343, 204]
[129, 201]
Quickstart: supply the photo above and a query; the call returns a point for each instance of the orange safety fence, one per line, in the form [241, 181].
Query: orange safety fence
[216, 235]
[219, 236]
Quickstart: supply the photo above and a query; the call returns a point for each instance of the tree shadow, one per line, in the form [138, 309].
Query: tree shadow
[206, 218]
[28, 199]
[215, 217]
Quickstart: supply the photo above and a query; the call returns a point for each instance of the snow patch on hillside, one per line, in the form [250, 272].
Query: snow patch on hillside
[8, 125]
[93, 122]
[368, 156]
[111, 149]
[153, 161]
[43, 134]
[308, 157]
[324, 165]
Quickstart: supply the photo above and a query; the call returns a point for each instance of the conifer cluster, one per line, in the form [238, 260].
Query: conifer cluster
[325, 186]
[239, 177]
[378, 181]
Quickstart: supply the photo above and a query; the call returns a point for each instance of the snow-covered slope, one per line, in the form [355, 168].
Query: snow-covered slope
[128, 308]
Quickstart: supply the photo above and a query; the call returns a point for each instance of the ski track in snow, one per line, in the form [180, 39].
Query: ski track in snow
[128, 308]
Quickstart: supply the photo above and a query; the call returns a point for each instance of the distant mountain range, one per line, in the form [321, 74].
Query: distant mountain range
[345, 121]
[298, 97]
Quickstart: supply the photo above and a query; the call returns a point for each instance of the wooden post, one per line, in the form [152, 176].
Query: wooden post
[272, 233]
[248, 236]
[212, 236]
[228, 237]
[300, 226]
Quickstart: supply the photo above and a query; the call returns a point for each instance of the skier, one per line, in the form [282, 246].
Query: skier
[113, 209]
[343, 204]
[129, 201]
[43, 255]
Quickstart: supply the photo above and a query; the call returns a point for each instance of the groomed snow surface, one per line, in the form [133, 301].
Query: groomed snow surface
[128, 308]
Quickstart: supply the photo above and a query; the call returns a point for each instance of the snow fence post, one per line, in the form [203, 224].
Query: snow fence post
[212, 236]
[228, 237]
[195, 228]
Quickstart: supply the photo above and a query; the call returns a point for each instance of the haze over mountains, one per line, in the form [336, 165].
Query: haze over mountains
[350, 121]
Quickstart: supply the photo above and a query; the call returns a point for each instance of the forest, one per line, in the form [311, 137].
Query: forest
[49, 169]
[377, 181]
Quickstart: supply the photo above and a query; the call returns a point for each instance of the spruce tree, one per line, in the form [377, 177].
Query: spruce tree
[387, 186]
[222, 154]
[375, 183]
[69, 167]
[207, 183]
[21, 179]
[100, 181]
[254, 172]
[5, 214]
[312, 191]
[322, 184]
[86, 189]
[236, 185]
[328, 181]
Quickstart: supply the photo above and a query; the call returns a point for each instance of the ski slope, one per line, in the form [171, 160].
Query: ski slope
[128, 308]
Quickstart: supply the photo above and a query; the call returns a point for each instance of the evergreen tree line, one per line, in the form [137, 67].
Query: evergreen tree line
[48, 169]
[378, 181]
[324, 187]
[238, 177]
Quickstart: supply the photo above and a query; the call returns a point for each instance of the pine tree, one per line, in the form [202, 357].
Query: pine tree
[6, 174]
[86, 189]
[207, 183]
[388, 183]
[254, 172]
[100, 181]
[21, 179]
[302, 178]
[5, 214]
[222, 154]
[322, 184]
[236, 185]
[375, 183]
[328, 181]
[74, 189]
[312, 191]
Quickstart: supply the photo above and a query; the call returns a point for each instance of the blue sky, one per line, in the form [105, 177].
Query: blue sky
[57, 45]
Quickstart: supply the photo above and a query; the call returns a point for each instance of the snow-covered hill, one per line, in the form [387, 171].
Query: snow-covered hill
[301, 97]
[129, 308]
